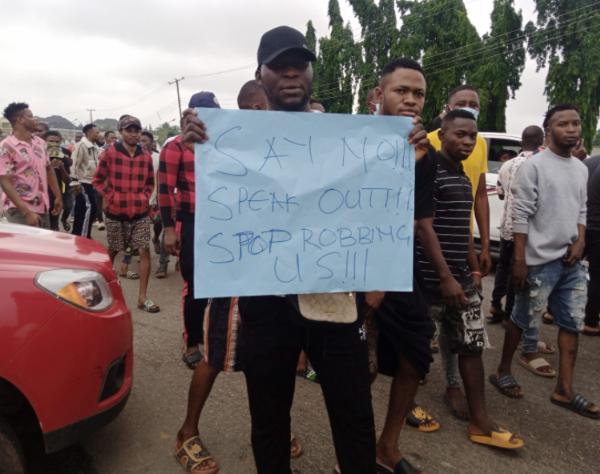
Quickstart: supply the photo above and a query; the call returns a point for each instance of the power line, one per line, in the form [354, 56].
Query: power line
[91, 116]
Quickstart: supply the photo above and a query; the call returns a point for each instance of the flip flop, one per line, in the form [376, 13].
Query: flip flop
[504, 383]
[578, 404]
[420, 419]
[499, 438]
[193, 455]
[401, 467]
[192, 360]
[149, 306]
[130, 275]
[535, 365]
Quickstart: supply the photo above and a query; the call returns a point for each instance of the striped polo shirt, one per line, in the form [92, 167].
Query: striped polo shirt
[453, 201]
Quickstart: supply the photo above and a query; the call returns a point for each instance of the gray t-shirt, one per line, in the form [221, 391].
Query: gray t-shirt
[593, 189]
[550, 200]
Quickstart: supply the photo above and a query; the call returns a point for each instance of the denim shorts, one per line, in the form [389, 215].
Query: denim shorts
[560, 288]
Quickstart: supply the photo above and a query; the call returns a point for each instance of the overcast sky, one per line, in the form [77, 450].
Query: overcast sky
[65, 56]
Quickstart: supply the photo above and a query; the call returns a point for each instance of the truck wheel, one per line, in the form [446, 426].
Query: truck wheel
[11, 455]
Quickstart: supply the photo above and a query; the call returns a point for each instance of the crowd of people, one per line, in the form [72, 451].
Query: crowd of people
[551, 220]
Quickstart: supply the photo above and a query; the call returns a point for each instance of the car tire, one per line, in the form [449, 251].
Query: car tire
[11, 454]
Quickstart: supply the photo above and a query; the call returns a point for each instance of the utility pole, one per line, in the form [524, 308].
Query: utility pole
[91, 117]
[176, 82]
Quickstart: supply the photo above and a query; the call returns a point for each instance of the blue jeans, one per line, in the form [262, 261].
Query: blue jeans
[561, 288]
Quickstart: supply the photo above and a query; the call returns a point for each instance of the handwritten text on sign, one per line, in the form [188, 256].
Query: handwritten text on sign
[303, 203]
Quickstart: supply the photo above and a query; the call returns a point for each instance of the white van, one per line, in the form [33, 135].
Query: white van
[498, 144]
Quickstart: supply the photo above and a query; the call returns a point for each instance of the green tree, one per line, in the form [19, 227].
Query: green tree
[338, 64]
[380, 41]
[566, 39]
[165, 131]
[501, 64]
[311, 42]
[439, 33]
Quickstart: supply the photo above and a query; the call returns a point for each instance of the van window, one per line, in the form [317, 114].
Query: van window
[501, 150]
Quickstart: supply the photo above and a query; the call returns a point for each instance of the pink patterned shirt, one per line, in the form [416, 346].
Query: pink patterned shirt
[27, 164]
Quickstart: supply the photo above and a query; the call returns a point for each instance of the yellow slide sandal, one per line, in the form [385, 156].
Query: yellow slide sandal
[499, 439]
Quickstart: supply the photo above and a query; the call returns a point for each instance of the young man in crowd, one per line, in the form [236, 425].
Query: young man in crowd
[532, 139]
[274, 330]
[463, 322]
[176, 172]
[148, 143]
[125, 178]
[475, 166]
[26, 172]
[372, 106]
[62, 166]
[405, 328]
[549, 217]
[592, 247]
[532, 354]
[85, 161]
[252, 96]
[177, 202]
[110, 137]
[42, 129]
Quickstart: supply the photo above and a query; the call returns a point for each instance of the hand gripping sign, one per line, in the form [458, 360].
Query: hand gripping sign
[291, 202]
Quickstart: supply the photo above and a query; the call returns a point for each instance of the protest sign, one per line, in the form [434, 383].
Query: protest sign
[292, 202]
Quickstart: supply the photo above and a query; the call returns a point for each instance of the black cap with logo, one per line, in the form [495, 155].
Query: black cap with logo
[280, 40]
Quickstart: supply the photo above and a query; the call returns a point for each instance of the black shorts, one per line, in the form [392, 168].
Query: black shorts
[405, 330]
[463, 327]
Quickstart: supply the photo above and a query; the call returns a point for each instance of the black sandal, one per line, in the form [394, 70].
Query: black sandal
[578, 404]
[401, 467]
[504, 383]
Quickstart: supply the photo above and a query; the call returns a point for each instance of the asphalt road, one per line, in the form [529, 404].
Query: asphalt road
[141, 439]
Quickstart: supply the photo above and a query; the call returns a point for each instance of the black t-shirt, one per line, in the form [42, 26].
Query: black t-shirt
[425, 170]
[593, 189]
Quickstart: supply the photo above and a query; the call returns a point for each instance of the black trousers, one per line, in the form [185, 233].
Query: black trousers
[273, 337]
[592, 252]
[193, 309]
[85, 211]
[67, 206]
[503, 281]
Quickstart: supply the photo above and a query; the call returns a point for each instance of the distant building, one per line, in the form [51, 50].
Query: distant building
[5, 128]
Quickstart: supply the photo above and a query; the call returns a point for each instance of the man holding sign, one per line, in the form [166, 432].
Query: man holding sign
[329, 327]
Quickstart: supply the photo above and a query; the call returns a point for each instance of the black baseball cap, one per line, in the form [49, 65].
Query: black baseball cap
[280, 40]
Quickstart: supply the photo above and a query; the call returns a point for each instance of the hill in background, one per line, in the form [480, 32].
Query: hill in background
[56, 121]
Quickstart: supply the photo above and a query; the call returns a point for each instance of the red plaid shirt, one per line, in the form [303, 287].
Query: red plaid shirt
[125, 182]
[176, 171]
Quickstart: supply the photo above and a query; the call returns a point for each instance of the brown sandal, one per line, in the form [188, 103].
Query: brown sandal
[195, 458]
[295, 447]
